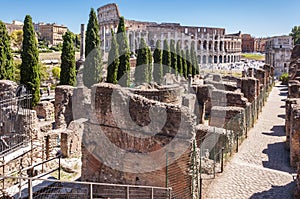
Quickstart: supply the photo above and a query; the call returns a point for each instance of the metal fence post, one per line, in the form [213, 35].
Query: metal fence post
[152, 197]
[222, 159]
[91, 191]
[59, 167]
[30, 189]
[127, 194]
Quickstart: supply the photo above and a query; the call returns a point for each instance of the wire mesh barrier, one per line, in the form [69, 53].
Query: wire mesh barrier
[51, 188]
[15, 122]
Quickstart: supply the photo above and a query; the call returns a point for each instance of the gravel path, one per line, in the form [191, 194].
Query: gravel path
[261, 167]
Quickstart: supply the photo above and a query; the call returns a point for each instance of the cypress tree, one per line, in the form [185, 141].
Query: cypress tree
[93, 64]
[113, 61]
[124, 52]
[193, 60]
[150, 64]
[142, 61]
[173, 56]
[179, 59]
[6, 58]
[68, 65]
[188, 62]
[184, 64]
[166, 58]
[30, 69]
[197, 72]
[157, 70]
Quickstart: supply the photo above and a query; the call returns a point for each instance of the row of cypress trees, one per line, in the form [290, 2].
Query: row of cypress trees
[171, 59]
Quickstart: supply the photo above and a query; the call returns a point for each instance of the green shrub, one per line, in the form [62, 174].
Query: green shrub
[56, 72]
[284, 78]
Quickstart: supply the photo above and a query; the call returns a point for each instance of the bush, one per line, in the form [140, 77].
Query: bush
[56, 72]
[284, 78]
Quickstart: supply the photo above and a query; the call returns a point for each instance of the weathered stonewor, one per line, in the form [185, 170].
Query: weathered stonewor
[167, 94]
[230, 118]
[260, 74]
[228, 98]
[119, 147]
[51, 142]
[71, 139]
[7, 89]
[297, 189]
[295, 134]
[217, 78]
[233, 79]
[81, 102]
[221, 85]
[204, 131]
[249, 87]
[203, 93]
[63, 106]
[288, 113]
[269, 74]
[294, 89]
[45, 110]
[189, 101]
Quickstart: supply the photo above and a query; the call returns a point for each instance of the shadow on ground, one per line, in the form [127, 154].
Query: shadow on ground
[276, 131]
[278, 158]
[276, 192]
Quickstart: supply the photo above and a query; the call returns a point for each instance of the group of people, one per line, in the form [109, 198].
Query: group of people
[48, 90]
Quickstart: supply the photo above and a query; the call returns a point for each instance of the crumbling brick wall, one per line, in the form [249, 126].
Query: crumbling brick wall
[102, 129]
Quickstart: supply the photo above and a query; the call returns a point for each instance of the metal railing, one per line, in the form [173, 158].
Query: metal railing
[52, 188]
[14, 133]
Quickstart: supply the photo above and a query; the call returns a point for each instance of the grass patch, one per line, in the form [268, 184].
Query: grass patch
[256, 57]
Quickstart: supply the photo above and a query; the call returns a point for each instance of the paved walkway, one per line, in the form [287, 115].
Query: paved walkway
[261, 167]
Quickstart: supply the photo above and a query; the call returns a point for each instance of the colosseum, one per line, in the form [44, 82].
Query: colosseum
[212, 44]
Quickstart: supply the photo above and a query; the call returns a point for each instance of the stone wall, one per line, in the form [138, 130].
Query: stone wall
[71, 139]
[167, 94]
[8, 89]
[228, 98]
[231, 118]
[249, 88]
[295, 134]
[63, 106]
[45, 110]
[104, 129]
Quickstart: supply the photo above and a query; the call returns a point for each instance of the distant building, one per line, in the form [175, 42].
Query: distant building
[212, 45]
[260, 44]
[52, 33]
[15, 25]
[247, 43]
[278, 53]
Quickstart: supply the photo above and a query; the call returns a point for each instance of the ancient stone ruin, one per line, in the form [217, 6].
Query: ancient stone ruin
[292, 117]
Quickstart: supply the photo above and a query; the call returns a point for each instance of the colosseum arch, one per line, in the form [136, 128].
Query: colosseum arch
[199, 45]
[232, 58]
[225, 59]
[215, 59]
[186, 44]
[220, 59]
[229, 60]
[205, 45]
[210, 45]
[204, 59]
[216, 46]
[193, 44]
[199, 59]
[210, 59]
[221, 45]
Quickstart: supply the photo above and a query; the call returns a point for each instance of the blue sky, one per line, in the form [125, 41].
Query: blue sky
[258, 17]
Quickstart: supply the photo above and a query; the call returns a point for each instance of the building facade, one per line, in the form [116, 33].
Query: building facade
[247, 43]
[52, 33]
[260, 44]
[278, 53]
[15, 25]
[213, 46]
